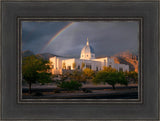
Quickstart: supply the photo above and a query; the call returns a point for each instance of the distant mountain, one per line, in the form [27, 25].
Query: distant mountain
[27, 53]
[46, 56]
[127, 54]
[128, 58]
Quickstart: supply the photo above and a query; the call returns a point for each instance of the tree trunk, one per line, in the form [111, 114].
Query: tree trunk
[30, 83]
[113, 86]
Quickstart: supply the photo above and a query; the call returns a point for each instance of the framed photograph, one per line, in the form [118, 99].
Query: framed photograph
[85, 60]
[79, 70]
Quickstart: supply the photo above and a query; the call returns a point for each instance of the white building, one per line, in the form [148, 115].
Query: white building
[87, 59]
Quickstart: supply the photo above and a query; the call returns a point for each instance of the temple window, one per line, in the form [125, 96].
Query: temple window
[89, 66]
[121, 69]
[96, 68]
[78, 66]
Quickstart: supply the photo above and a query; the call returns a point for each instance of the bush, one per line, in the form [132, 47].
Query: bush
[70, 85]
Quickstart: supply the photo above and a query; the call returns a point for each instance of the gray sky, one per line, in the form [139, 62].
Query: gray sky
[107, 38]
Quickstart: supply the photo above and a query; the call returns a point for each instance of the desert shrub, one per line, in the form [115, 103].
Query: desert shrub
[70, 85]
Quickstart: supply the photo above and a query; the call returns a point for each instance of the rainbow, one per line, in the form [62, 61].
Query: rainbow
[56, 35]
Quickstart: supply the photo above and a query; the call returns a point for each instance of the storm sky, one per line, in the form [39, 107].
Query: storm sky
[68, 38]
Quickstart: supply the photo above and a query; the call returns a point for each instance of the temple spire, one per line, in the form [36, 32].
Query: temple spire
[87, 41]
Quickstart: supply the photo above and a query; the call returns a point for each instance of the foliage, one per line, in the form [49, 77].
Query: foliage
[82, 76]
[44, 78]
[109, 69]
[88, 73]
[34, 69]
[117, 77]
[111, 77]
[70, 85]
[74, 65]
[77, 76]
[101, 77]
[82, 65]
[132, 76]
[64, 76]
[64, 65]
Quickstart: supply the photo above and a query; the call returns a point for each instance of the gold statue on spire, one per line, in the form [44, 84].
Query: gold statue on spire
[87, 41]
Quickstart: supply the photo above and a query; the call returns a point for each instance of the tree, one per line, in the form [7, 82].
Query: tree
[132, 76]
[122, 78]
[34, 69]
[74, 65]
[88, 73]
[44, 78]
[116, 77]
[109, 69]
[82, 76]
[82, 65]
[77, 76]
[101, 77]
[112, 78]
[64, 65]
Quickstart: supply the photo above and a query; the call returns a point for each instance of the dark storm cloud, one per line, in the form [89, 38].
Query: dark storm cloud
[36, 34]
[107, 38]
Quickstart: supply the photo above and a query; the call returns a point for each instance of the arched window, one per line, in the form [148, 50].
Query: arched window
[96, 68]
[121, 69]
[78, 66]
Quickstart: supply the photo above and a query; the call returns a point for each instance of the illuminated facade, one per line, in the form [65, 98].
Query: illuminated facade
[87, 60]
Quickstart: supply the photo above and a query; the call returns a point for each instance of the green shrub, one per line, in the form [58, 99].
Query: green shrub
[70, 85]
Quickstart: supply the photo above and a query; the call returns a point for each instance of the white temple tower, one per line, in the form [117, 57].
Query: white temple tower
[87, 52]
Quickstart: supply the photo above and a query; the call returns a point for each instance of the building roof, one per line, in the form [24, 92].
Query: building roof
[87, 48]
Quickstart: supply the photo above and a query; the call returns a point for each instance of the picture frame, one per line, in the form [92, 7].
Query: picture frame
[12, 109]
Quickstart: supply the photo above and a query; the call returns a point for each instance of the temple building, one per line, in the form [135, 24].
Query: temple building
[87, 60]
